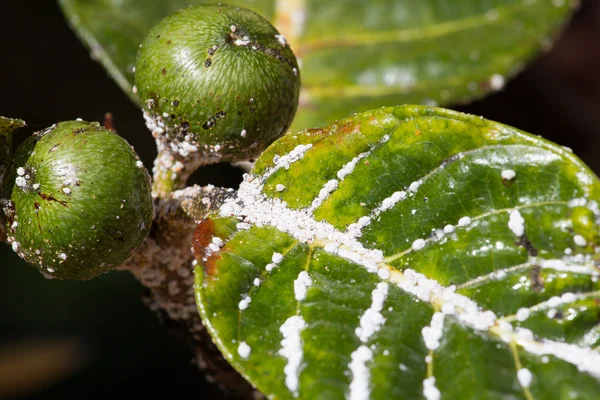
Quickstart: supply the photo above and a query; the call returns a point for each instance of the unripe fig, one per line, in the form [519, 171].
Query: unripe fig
[80, 200]
[219, 80]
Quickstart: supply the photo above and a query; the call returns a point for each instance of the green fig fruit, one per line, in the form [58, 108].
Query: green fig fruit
[217, 80]
[79, 202]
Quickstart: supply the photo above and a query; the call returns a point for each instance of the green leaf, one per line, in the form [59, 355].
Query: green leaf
[407, 252]
[357, 55]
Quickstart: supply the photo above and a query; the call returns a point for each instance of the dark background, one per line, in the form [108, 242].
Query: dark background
[96, 339]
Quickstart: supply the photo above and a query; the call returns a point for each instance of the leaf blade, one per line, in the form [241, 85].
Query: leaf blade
[373, 295]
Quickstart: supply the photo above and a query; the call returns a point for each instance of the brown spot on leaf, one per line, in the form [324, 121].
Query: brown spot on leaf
[202, 238]
[210, 266]
[347, 129]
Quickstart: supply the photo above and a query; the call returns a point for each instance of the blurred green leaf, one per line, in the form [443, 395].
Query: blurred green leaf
[407, 252]
[358, 55]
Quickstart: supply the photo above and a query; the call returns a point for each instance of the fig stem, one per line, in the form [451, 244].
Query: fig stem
[172, 170]
[7, 127]
[162, 263]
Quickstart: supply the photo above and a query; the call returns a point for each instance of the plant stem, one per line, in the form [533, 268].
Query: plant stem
[172, 170]
[164, 264]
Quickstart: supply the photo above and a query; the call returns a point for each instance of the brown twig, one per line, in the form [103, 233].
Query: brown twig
[164, 265]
